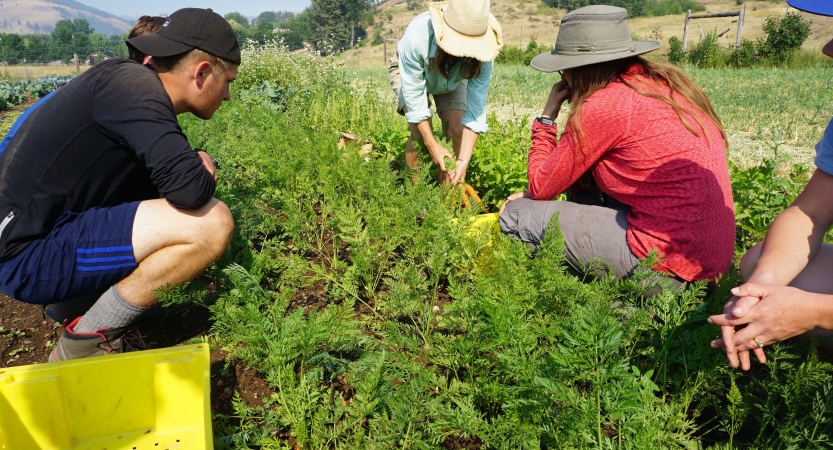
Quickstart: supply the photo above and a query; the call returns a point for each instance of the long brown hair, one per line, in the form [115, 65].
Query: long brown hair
[586, 80]
[444, 62]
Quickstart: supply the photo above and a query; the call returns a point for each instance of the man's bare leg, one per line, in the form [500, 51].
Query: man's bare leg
[173, 246]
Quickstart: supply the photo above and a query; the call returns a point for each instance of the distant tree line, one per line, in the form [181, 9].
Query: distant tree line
[327, 25]
[67, 38]
[635, 7]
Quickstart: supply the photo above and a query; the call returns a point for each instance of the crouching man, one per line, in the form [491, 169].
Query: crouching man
[102, 197]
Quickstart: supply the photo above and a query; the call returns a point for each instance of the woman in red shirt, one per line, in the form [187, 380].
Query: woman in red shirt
[645, 136]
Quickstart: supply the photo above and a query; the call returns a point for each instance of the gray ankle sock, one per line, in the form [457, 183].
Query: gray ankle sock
[110, 311]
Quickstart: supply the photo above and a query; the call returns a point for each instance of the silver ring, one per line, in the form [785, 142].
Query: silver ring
[760, 344]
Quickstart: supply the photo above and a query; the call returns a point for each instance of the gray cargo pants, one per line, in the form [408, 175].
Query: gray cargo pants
[595, 237]
[592, 234]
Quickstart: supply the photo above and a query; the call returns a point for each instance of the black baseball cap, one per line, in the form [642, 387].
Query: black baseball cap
[187, 29]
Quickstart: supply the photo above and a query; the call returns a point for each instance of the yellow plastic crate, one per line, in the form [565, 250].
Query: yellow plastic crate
[480, 235]
[156, 399]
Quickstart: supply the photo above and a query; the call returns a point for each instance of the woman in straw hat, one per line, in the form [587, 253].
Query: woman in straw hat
[446, 52]
[787, 290]
[643, 134]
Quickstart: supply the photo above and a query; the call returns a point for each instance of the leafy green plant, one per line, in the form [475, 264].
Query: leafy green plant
[19, 92]
[735, 414]
[707, 52]
[510, 54]
[745, 55]
[498, 168]
[675, 50]
[783, 37]
[761, 193]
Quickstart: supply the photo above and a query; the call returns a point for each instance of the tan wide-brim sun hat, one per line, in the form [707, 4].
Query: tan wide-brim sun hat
[466, 28]
[591, 35]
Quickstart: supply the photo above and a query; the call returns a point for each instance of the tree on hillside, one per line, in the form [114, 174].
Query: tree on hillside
[36, 47]
[70, 37]
[300, 31]
[634, 7]
[14, 48]
[414, 5]
[99, 43]
[239, 30]
[239, 18]
[118, 46]
[275, 18]
[82, 26]
[336, 22]
[62, 41]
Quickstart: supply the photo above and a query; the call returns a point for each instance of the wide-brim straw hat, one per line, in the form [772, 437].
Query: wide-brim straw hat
[820, 7]
[591, 35]
[466, 28]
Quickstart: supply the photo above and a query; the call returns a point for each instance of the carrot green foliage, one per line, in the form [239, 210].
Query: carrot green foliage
[352, 291]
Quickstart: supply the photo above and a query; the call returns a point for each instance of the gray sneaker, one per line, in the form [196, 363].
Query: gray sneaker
[74, 345]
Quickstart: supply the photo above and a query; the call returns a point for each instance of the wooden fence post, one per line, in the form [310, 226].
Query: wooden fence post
[688, 17]
[741, 16]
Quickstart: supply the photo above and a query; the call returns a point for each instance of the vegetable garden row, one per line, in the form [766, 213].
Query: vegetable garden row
[20, 92]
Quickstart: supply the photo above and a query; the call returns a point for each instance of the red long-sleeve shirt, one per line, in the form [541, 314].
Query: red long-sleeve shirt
[676, 184]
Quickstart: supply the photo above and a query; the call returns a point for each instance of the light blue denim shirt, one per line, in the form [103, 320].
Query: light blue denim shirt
[419, 78]
[824, 150]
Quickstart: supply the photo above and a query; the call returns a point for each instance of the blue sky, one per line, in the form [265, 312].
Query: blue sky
[248, 8]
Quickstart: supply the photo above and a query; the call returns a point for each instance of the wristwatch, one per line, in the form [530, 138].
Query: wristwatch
[213, 159]
[545, 121]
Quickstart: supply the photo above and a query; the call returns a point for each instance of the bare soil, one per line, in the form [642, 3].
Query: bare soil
[462, 442]
[26, 334]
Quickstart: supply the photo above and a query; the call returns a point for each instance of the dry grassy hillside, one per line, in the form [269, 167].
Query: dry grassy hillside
[525, 20]
[40, 17]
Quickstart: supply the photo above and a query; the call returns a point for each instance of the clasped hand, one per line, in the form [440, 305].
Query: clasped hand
[762, 312]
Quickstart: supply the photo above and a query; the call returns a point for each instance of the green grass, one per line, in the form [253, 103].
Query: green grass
[7, 119]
